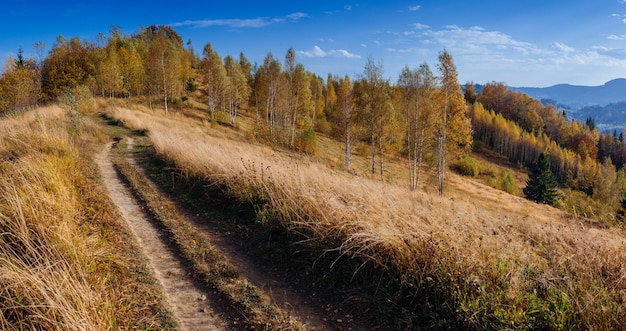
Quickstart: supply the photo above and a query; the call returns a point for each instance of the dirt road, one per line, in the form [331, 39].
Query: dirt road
[188, 300]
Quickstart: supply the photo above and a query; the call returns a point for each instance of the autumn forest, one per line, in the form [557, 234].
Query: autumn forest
[424, 117]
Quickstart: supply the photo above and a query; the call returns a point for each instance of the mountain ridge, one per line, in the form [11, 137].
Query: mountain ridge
[606, 103]
[578, 96]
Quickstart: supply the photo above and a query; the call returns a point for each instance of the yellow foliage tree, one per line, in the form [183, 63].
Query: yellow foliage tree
[20, 84]
[454, 127]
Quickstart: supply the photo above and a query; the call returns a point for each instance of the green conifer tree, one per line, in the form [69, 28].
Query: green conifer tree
[541, 185]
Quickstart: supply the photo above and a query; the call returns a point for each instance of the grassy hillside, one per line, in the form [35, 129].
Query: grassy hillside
[478, 258]
[66, 263]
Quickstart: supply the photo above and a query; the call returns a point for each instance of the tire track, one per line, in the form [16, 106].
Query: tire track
[183, 295]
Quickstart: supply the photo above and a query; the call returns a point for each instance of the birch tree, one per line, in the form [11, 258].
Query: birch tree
[290, 113]
[164, 62]
[214, 74]
[345, 108]
[270, 83]
[238, 89]
[416, 93]
[374, 102]
[454, 117]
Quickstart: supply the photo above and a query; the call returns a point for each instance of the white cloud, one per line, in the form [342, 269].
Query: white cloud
[410, 50]
[296, 16]
[616, 37]
[474, 40]
[337, 11]
[621, 17]
[343, 53]
[234, 23]
[415, 8]
[420, 26]
[562, 47]
[600, 48]
[611, 52]
[258, 22]
[318, 52]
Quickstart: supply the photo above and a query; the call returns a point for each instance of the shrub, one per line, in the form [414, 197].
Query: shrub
[191, 85]
[308, 141]
[507, 182]
[323, 125]
[467, 166]
[76, 102]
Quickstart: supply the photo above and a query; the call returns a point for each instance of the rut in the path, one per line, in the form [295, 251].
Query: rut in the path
[186, 298]
[282, 291]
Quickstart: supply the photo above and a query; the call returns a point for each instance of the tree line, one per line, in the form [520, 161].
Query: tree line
[152, 63]
[424, 116]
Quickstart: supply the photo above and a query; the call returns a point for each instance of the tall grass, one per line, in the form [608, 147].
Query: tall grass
[62, 261]
[479, 258]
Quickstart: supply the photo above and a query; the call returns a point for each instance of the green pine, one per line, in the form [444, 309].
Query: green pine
[541, 185]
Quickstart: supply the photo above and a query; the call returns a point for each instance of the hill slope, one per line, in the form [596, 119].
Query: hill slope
[478, 258]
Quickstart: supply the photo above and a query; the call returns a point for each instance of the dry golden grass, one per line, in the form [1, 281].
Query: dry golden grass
[494, 259]
[63, 264]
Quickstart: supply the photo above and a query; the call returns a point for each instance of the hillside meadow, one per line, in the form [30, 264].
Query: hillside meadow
[66, 263]
[476, 258]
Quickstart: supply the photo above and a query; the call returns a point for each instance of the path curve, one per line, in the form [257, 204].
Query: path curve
[183, 295]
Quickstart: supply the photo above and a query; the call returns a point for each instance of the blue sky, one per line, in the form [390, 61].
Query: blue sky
[522, 43]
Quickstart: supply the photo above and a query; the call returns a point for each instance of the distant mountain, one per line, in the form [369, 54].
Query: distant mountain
[580, 96]
[606, 104]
